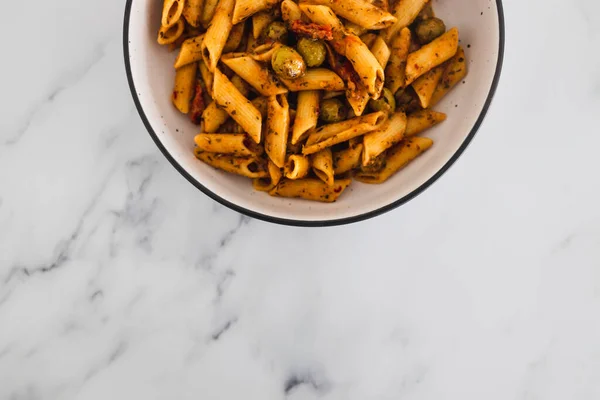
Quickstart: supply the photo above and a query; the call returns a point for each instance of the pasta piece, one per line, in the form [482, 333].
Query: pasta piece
[172, 10]
[217, 34]
[192, 12]
[307, 114]
[406, 11]
[248, 167]
[316, 79]
[360, 12]
[330, 130]
[381, 51]
[290, 11]
[278, 125]
[267, 184]
[238, 144]
[322, 165]
[453, 73]
[246, 8]
[364, 62]
[237, 106]
[341, 137]
[296, 167]
[396, 70]
[235, 38]
[207, 77]
[169, 35]
[426, 84]
[390, 133]
[431, 55]
[190, 52]
[210, 6]
[213, 117]
[348, 159]
[397, 158]
[260, 20]
[311, 189]
[185, 82]
[257, 75]
[359, 97]
[422, 120]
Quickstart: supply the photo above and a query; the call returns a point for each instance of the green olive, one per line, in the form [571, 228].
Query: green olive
[429, 29]
[385, 102]
[333, 110]
[287, 63]
[313, 51]
[277, 31]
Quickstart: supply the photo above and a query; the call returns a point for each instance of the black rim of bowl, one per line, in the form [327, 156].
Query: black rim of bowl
[320, 223]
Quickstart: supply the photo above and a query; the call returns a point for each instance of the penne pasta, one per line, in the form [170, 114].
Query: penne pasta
[260, 21]
[360, 12]
[185, 82]
[171, 14]
[328, 131]
[426, 84]
[170, 34]
[406, 11]
[235, 38]
[190, 52]
[213, 117]
[257, 75]
[395, 72]
[322, 165]
[454, 72]
[237, 106]
[278, 125]
[397, 158]
[238, 144]
[296, 167]
[348, 159]
[192, 12]
[210, 6]
[422, 120]
[264, 53]
[207, 77]
[307, 114]
[246, 8]
[311, 189]
[290, 11]
[248, 167]
[381, 51]
[431, 55]
[268, 183]
[316, 79]
[217, 34]
[341, 137]
[378, 141]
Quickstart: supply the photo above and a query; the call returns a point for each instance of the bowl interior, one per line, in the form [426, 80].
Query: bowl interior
[152, 76]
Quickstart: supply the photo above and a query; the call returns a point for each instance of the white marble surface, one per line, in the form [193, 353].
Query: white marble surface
[119, 280]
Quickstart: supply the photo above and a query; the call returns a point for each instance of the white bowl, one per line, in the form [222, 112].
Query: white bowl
[150, 73]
